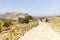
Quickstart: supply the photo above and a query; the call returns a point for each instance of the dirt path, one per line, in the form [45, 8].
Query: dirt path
[42, 32]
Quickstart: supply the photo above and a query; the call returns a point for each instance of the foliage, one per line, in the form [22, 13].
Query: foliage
[7, 23]
[1, 24]
[26, 19]
[29, 17]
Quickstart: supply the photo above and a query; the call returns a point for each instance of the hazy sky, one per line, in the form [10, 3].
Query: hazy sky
[33, 7]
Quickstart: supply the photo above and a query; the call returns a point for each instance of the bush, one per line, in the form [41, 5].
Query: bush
[7, 23]
[26, 19]
[29, 17]
[1, 25]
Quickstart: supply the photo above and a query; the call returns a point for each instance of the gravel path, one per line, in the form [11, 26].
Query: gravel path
[42, 32]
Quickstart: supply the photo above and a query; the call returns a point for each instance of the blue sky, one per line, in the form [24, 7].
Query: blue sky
[33, 7]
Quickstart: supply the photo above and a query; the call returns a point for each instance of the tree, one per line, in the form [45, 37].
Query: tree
[1, 25]
[26, 19]
[29, 17]
[7, 23]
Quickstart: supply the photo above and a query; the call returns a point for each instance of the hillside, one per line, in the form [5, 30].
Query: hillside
[11, 15]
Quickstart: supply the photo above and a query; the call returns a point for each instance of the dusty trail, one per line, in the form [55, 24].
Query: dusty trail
[42, 32]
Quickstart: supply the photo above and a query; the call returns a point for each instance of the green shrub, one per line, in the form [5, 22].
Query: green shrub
[7, 24]
[26, 19]
[1, 25]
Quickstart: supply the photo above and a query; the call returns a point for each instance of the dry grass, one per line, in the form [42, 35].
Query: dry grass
[19, 30]
[55, 21]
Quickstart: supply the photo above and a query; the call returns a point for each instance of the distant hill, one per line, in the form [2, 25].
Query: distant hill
[11, 15]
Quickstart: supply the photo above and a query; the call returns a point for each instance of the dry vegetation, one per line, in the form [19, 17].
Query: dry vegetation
[55, 21]
[20, 29]
[14, 25]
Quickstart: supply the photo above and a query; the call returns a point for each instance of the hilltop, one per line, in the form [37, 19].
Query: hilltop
[11, 15]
